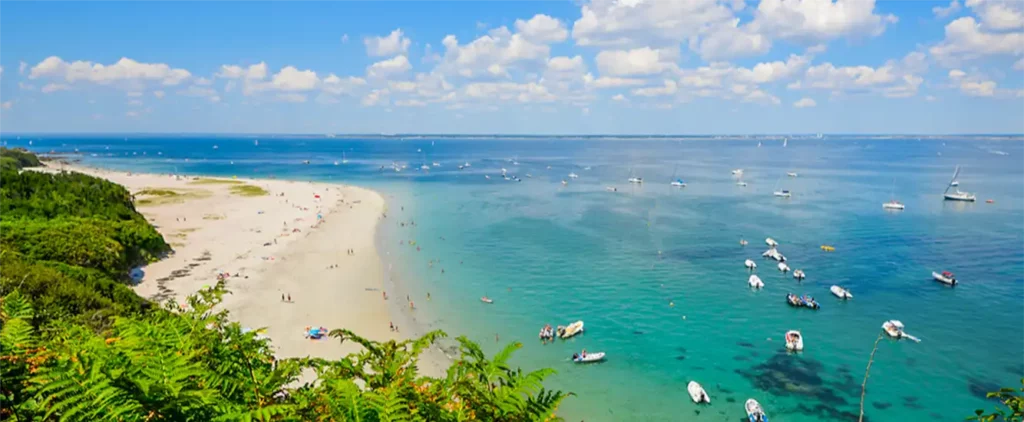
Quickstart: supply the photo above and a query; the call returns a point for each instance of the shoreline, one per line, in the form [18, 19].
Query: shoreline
[293, 242]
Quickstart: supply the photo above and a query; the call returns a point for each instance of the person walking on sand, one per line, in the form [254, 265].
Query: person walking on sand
[282, 297]
[392, 324]
[289, 298]
[412, 305]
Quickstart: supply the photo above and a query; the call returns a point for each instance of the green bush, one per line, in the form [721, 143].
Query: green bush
[17, 158]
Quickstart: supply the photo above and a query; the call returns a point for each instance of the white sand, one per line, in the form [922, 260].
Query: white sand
[214, 231]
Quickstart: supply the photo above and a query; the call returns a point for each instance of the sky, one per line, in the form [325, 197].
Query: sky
[526, 67]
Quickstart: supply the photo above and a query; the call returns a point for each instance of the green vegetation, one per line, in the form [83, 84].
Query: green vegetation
[157, 192]
[17, 159]
[1013, 401]
[215, 182]
[76, 344]
[248, 190]
[153, 197]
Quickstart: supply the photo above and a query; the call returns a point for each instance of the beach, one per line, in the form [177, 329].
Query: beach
[293, 254]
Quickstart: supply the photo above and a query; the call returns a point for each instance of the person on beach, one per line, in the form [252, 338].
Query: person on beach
[282, 297]
[428, 295]
[412, 305]
[289, 297]
[392, 324]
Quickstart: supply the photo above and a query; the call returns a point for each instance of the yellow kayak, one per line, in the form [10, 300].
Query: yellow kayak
[828, 248]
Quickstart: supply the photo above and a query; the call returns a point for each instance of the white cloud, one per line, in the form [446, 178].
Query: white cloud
[956, 74]
[508, 91]
[135, 103]
[611, 82]
[256, 71]
[402, 86]
[22, 66]
[619, 97]
[202, 92]
[967, 39]
[202, 81]
[669, 88]
[944, 12]
[134, 94]
[158, 94]
[292, 79]
[819, 20]
[7, 105]
[48, 88]
[124, 70]
[729, 41]
[930, 98]
[565, 64]
[335, 85]
[132, 114]
[542, 29]
[410, 103]
[816, 49]
[626, 24]
[25, 86]
[1, 70]
[895, 79]
[999, 15]
[376, 97]
[978, 88]
[499, 47]
[773, 71]
[392, 66]
[393, 44]
[640, 61]
[344, 38]
[805, 102]
[761, 97]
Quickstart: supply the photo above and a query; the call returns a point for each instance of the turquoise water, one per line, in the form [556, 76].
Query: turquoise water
[657, 272]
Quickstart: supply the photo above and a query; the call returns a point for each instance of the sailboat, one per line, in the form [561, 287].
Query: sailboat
[256, 143]
[784, 193]
[679, 183]
[957, 195]
[893, 204]
[785, 142]
[633, 178]
[344, 160]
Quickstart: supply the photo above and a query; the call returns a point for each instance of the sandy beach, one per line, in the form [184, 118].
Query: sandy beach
[301, 254]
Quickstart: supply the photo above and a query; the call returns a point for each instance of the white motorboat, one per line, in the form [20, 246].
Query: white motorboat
[737, 172]
[564, 183]
[957, 195]
[794, 340]
[461, 166]
[841, 292]
[754, 411]
[214, 147]
[529, 176]
[893, 205]
[436, 164]
[799, 274]
[894, 328]
[571, 330]
[503, 171]
[466, 164]
[785, 142]
[750, 264]
[611, 188]
[785, 193]
[679, 183]
[635, 180]
[743, 242]
[755, 281]
[573, 176]
[771, 242]
[588, 358]
[946, 277]
[697, 393]
[487, 177]
[424, 167]
[335, 163]
[741, 183]
[791, 174]
[774, 254]
[783, 267]
[486, 299]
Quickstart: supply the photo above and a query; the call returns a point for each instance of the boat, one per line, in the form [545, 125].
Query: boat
[755, 281]
[810, 302]
[791, 174]
[573, 176]
[564, 183]
[794, 341]
[802, 301]
[774, 254]
[799, 274]
[256, 143]
[486, 299]
[436, 164]
[841, 292]
[305, 161]
[782, 193]
[214, 147]
[828, 248]
[737, 172]
[743, 242]
[633, 178]
[528, 175]
[793, 300]
[946, 277]
[741, 183]
[893, 204]
[487, 177]
[894, 328]
[585, 168]
[750, 264]
[588, 358]
[990, 201]
[697, 393]
[957, 195]
[547, 333]
[679, 183]
[785, 142]
[754, 411]
[571, 329]
[344, 160]
[466, 164]
[771, 242]
[783, 267]
[611, 188]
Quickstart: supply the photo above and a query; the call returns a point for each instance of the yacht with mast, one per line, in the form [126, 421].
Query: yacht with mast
[784, 193]
[893, 204]
[677, 182]
[957, 195]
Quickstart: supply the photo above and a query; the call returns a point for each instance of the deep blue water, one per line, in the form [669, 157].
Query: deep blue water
[657, 272]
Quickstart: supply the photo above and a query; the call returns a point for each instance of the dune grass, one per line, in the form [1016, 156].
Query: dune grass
[157, 192]
[248, 190]
[154, 197]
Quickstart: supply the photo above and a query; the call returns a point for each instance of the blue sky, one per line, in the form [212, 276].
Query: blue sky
[590, 67]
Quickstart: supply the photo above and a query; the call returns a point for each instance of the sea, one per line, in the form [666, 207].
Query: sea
[656, 272]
